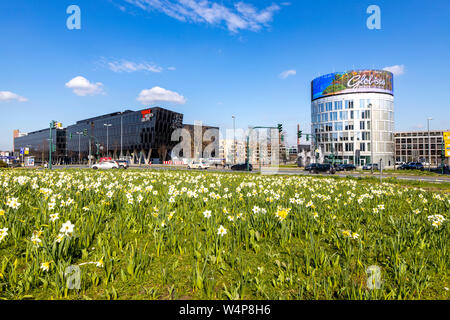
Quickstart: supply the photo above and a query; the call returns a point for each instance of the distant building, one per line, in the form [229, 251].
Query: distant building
[138, 135]
[37, 145]
[232, 151]
[413, 146]
[205, 141]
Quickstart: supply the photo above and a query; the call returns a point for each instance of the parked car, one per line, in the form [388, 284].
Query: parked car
[369, 166]
[14, 165]
[123, 164]
[412, 166]
[319, 167]
[241, 167]
[197, 164]
[345, 167]
[105, 165]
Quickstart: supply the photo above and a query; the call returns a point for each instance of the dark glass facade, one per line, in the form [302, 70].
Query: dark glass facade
[37, 142]
[137, 134]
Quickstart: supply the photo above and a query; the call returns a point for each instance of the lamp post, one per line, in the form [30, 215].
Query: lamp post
[429, 143]
[107, 125]
[79, 146]
[121, 136]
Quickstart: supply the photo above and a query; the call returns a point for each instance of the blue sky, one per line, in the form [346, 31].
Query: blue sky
[213, 59]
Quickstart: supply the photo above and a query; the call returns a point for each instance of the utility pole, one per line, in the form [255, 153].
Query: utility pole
[429, 144]
[121, 136]
[79, 146]
[107, 125]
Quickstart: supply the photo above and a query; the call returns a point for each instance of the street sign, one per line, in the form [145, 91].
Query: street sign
[22, 151]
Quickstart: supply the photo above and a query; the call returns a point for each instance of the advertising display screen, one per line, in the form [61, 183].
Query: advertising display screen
[352, 82]
[447, 143]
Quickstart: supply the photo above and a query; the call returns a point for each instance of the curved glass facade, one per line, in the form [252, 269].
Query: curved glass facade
[341, 126]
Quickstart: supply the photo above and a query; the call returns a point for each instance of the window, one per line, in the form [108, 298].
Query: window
[362, 146]
[349, 147]
[348, 104]
[338, 105]
[338, 126]
[362, 103]
[333, 116]
[343, 115]
[362, 125]
[321, 107]
[329, 106]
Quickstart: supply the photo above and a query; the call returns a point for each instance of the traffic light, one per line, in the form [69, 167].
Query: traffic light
[280, 128]
[307, 137]
[70, 137]
[85, 132]
[300, 134]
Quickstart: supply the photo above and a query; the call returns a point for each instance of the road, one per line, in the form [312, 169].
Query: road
[286, 171]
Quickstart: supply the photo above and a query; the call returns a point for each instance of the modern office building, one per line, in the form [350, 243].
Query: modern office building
[37, 145]
[344, 106]
[420, 146]
[139, 135]
[144, 134]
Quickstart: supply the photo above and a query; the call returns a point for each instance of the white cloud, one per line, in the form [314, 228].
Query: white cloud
[287, 73]
[82, 87]
[8, 96]
[242, 17]
[171, 68]
[158, 94]
[130, 66]
[397, 70]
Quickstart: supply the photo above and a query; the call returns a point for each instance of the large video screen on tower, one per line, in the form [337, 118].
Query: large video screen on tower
[352, 82]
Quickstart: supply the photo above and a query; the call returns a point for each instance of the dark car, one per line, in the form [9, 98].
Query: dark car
[417, 166]
[241, 167]
[123, 164]
[369, 166]
[319, 167]
[412, 166]
[345, 167]
[14, 165]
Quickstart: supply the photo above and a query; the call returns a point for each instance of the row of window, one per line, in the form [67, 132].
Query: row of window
[318, 107]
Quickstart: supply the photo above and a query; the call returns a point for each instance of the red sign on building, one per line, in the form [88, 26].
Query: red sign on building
[146, 115]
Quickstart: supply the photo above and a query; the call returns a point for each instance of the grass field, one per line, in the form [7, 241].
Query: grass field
[187, 235]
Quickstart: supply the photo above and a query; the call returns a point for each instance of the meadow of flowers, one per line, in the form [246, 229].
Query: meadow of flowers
[186, 235]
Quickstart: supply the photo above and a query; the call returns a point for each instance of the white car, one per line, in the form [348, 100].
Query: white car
[104, 165]
[198, 165]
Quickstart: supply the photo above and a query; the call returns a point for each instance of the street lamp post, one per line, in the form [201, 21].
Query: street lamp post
[429, 143]
[107, 125]
[79, 146]
[121, 136]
